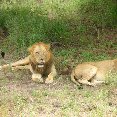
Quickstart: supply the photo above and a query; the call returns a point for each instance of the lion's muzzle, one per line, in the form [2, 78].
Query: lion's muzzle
[40, 65]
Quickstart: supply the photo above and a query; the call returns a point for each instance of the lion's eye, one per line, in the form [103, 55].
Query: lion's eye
[37, 52]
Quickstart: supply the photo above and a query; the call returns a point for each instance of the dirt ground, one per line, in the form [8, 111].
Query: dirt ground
[21, 97]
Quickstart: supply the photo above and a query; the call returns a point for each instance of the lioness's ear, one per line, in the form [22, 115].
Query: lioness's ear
[48, 46]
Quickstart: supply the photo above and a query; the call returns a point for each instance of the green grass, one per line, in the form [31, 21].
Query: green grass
[30, 21]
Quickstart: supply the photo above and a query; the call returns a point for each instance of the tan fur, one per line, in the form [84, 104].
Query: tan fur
[93, 73]
[40, 63]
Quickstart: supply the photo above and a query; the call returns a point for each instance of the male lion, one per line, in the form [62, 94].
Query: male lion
[93, 73]
[40, 63]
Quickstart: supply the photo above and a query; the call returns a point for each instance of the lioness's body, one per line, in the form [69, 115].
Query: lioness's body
[92, 73]
[40, 63]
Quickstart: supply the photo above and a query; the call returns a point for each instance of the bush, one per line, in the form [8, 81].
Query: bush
[31, 21]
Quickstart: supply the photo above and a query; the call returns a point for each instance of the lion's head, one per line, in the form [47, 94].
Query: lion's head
[40, 53]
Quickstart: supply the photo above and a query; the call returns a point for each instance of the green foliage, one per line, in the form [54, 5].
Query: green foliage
[90, 56]
[30, 21]
[100, 13]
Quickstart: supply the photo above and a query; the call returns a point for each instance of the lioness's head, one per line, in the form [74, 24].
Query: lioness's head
[39, 53]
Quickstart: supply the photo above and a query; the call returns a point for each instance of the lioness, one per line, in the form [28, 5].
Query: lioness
[40, 63]
[93, 73]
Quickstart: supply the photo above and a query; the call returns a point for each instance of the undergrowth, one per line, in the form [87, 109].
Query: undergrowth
[72, 21]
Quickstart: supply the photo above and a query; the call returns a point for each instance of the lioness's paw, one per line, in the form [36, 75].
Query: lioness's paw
[49, 80]
[0, 67]
[12, 68]
[93, 85]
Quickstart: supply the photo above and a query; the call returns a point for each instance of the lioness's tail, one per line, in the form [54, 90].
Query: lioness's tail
[73, 77]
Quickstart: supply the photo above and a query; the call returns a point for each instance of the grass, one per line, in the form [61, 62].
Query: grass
[30, 21]
[62, 98]
[85, 30]
[22, 97]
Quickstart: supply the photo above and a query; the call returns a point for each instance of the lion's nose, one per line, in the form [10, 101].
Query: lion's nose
[42, 60]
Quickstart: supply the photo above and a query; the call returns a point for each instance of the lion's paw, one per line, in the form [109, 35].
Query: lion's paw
[40, 80]
[37, 78]
[49, 80]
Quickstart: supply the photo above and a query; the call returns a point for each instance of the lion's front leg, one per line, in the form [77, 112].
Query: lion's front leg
[51, 76]
[37, 77]
[49, 79]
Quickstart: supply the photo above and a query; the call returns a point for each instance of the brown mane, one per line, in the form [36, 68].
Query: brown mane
[44, 69]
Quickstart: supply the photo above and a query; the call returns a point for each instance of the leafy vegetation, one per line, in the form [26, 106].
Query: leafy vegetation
[30, 21]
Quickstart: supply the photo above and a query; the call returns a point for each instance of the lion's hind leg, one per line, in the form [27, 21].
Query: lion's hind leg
[21, 62]
[83, 74]
[21, 67]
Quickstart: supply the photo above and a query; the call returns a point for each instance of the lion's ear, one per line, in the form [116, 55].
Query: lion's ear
[48, 46]
[29, 49]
